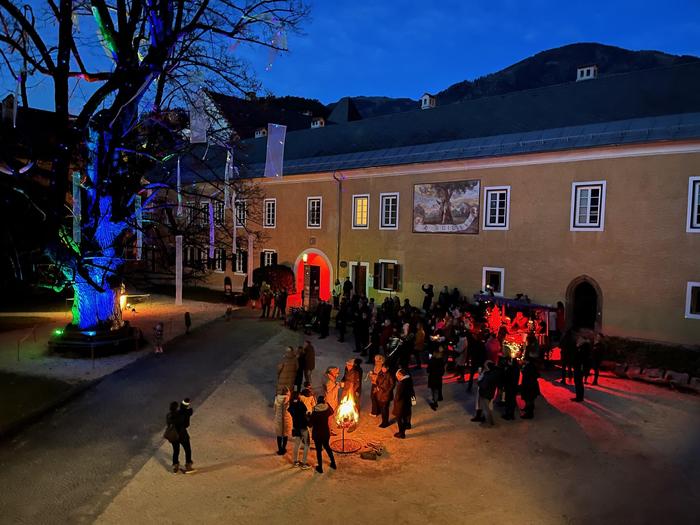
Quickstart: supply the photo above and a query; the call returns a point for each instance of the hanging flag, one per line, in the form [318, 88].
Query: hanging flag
[235, 218]
[179, 189]
[274, 157]
[211, 230]
[178, 269]
[228, 171]
[250, 260]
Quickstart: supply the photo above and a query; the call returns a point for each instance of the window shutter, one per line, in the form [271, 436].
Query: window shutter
[377, 285]
[274, 258]
[244, 266]
[233, 262]
[262, 259]
[210, 261]
[223, 260]
[397, 277]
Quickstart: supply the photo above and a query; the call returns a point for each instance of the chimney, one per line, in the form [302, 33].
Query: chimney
[586, 73]
[428, 101]
[260, 132]
[317, 122]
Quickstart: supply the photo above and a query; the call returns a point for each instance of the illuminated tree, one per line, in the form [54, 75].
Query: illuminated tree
[160, 54]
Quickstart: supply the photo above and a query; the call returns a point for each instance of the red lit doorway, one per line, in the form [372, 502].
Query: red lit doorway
[317, 259]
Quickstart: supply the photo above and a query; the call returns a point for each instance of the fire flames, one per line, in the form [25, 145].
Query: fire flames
[347, 414]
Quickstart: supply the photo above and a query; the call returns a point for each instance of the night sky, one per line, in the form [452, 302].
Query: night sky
[401, 48]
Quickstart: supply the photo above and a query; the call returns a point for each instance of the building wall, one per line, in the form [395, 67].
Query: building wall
[641, 261]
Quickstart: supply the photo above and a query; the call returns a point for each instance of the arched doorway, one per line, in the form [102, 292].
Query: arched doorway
[584, 303]
[320, 269]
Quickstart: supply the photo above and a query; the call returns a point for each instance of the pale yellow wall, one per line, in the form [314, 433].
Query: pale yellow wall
[642, 261]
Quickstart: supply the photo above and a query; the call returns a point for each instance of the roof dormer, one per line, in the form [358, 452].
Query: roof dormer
[318, 122]
[260, 132]
[428, 101]
[586, 73]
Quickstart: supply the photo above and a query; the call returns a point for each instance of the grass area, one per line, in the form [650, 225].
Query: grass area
[7, 324]
[25, 395]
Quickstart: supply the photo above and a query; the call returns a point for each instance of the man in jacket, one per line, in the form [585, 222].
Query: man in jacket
[320, 432]
[403, 402]
[384, 393]
[181, 425]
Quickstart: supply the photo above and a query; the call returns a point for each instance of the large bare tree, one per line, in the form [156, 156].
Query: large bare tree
[159, 54]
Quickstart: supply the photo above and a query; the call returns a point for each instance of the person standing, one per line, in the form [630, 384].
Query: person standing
[529, 388]
[283, 304]
[581, 363]
[301, 366]
[511, 377]
[300, 430]
[403, 402]
[428, 299]
[567, 348]
[287, 369]
[172, 421]
[158, 337]
[597, 352]
[188, 323]
[321, 434]
[309, 360]
[283, 419]
[488, 382]
[337, 292]
[340, 320]
[436, 369]
[373, 374]
[347, 288]
[183, 420]
[419, 344]
[324, 318]
[331, 389]
[385, 393]
[352, 381]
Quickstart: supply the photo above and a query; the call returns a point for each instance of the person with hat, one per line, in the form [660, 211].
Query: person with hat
[320, 432]
[403, 402]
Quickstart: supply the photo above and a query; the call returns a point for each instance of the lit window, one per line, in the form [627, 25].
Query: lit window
[588, 206]
[219, 213]
[313, 212]
[241, 213]
[692, 301]
[240, 261]
[497, 206]
[360, 211]
[269, 213]
[389, 211]
[492, 280]
[269, 257]
[387, 276]
[693, 225]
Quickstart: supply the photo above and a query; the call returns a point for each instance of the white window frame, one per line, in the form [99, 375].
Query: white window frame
[502, 271]
[487, 209]
[203, 209]
[688, 298]
[575, 186]
[268, 252]
[239, 262]
[354, 209]
[693, 205]
[381, 274]
[273, 223]
[219, 254]
[382, 196]
[244, 204]
[320, 212]
[219, 213]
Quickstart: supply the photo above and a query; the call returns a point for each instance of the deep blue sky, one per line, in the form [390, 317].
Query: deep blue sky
[401, 48]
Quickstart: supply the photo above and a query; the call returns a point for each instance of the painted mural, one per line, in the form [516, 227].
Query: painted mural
[446, 207]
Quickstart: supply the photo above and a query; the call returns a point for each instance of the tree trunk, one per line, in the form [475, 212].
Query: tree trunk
[94, 309]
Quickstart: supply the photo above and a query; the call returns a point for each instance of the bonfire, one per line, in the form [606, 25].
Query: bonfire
[346, 417]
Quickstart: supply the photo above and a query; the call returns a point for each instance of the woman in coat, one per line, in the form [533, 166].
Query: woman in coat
[384, 386]
[403, 402]
[287, 369]
[283, 419]
[436, 369]
[173, 423]
[320, 432]
[331, 390]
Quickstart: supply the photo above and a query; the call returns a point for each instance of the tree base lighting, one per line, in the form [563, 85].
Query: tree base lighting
[72, 341]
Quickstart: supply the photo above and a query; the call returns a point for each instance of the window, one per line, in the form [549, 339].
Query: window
[389, 211]
[240, 263]
[387, 275]
[360, 211]
[492, 280]
[203, 214]
[219, 213]
[497, 206]
[268, 258]
[588, 206]
[189, 256]
[219, 259]
[693, 205]
[313, 212]
[241, 213]
[269, 213]
[692, 301]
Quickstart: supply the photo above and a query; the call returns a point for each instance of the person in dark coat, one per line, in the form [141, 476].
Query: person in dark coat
[597, 352]
[324, 318]
[301, 366]
[567, 347]
[320, 432]
[188, 323]
[581, 362]
[403, 402]
[172, 419]
[182, 424]
[444, 298]
[352, 380]
[347, 288]
[436, 369]
[529, 388]
[384, 393]
[511, 377]
[488, 383]
[341, 319]
[428, 299]
[300, 430]
[309, 360]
